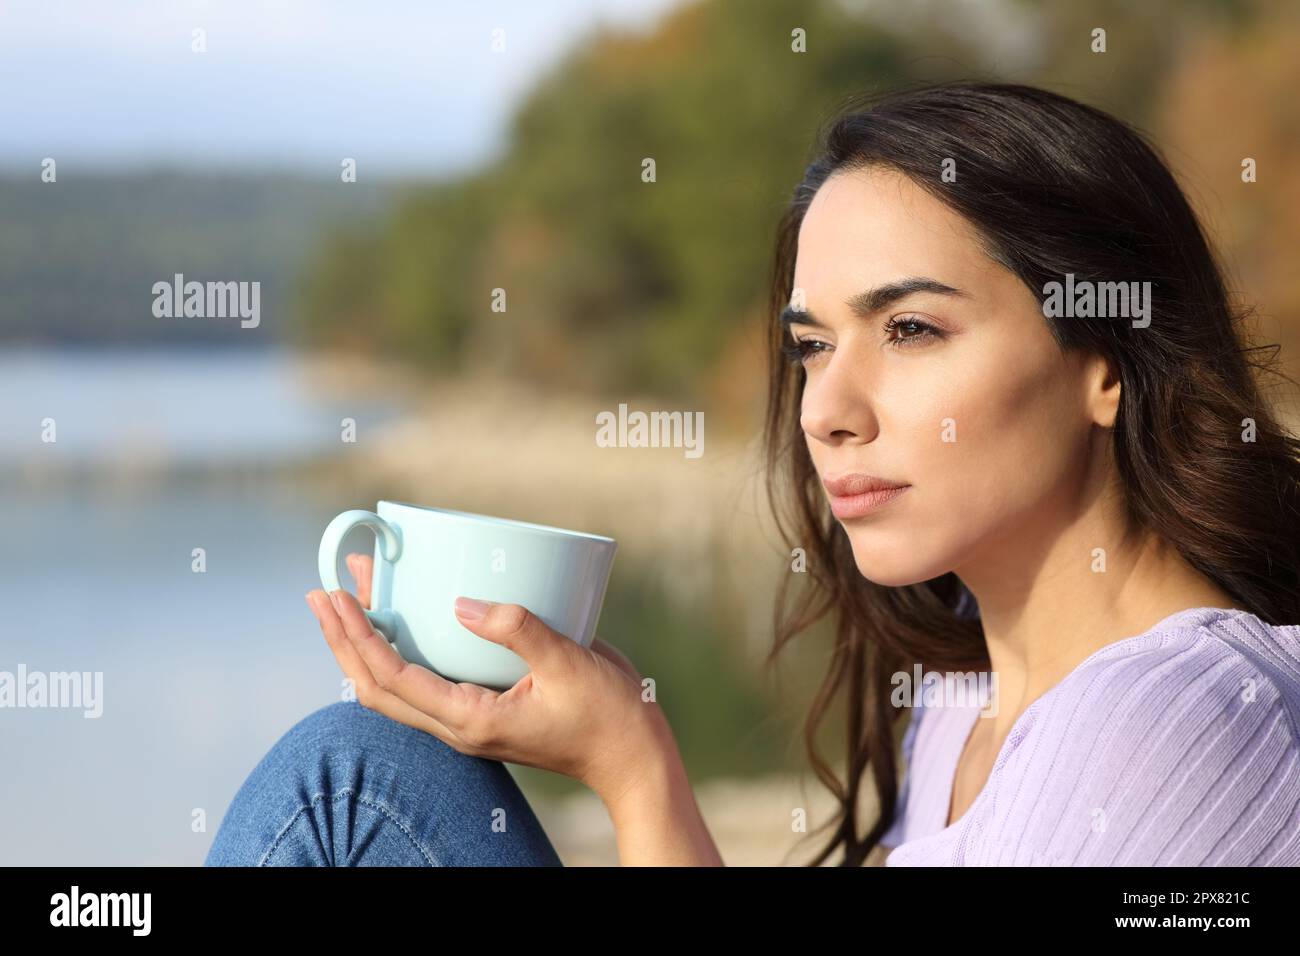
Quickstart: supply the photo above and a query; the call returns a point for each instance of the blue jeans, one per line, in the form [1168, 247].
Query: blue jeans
[348, 786]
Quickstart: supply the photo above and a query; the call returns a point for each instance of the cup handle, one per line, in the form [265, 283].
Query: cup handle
[390, 548]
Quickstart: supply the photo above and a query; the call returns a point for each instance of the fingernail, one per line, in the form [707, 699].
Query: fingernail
[334, 599]
[307, 598]
[470, 609]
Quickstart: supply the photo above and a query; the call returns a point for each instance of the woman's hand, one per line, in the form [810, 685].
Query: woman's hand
[578, 711]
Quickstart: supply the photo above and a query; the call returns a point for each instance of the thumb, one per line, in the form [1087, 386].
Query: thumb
[516, 628]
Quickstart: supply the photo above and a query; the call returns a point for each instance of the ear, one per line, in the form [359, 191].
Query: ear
[1103, 385]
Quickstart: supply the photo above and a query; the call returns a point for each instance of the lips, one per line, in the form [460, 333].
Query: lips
[857, 484]
[853, 496]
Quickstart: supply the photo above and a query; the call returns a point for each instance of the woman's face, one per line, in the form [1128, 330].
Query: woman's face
[966, 398]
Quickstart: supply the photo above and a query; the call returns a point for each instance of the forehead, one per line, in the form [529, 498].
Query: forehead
[866, 227]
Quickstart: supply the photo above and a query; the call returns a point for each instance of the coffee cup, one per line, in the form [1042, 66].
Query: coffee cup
[426, 557]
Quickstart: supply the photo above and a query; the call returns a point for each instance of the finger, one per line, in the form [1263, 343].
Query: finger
[362, 568]
[363, 680]
[368, 690]
[518, 629]
[349, 661]
[605, 649]
[417, 686]
[616, 657]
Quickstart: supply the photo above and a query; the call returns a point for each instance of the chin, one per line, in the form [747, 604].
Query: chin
[893, 564]
[891, 574]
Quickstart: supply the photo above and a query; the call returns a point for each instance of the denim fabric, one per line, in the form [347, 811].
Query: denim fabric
[348, 786]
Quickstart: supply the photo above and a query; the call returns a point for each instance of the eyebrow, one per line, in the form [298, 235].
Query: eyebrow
[864, 304]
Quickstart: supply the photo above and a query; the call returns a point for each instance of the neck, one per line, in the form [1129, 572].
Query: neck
[1052, 600]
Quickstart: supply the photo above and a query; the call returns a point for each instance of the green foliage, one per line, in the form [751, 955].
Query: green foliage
[616, 282]
[610, 279]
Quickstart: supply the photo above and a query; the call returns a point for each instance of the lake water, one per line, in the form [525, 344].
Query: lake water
[193, 407]
[201, 672]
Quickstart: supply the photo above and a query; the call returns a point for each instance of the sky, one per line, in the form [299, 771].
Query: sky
[401, 86]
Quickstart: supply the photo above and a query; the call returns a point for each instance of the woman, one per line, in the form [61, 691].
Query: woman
[1012, 427]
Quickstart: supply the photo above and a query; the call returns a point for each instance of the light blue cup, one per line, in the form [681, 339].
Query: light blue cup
[426, 557]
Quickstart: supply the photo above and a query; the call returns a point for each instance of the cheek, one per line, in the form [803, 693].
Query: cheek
[1017, 440]
[985, 442]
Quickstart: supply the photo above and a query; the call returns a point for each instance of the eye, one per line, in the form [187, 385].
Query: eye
[801, 351]
[914, 330]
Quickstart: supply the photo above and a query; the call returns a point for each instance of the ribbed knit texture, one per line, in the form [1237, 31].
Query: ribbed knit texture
[1176, 747]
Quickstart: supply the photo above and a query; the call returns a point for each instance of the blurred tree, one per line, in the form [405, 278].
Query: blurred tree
[1232, 97]
[609, 279]
[612, 281]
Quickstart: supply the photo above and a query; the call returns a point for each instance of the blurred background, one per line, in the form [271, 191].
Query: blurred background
[380, 169]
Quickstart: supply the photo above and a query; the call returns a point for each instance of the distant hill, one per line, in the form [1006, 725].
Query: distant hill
[78, 257]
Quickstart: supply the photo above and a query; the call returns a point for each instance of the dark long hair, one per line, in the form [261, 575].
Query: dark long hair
[1053, 187]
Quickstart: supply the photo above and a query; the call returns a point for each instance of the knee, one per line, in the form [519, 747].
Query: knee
[349, 781]
[349, 745]
[326, 770]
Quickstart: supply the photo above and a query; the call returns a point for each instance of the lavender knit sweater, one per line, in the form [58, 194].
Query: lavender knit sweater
[1179, 746]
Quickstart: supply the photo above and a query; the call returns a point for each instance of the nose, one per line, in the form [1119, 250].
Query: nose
[837, 404]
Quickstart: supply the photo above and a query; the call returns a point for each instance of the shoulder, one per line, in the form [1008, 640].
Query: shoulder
[1178, 747]
[1207, 664]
